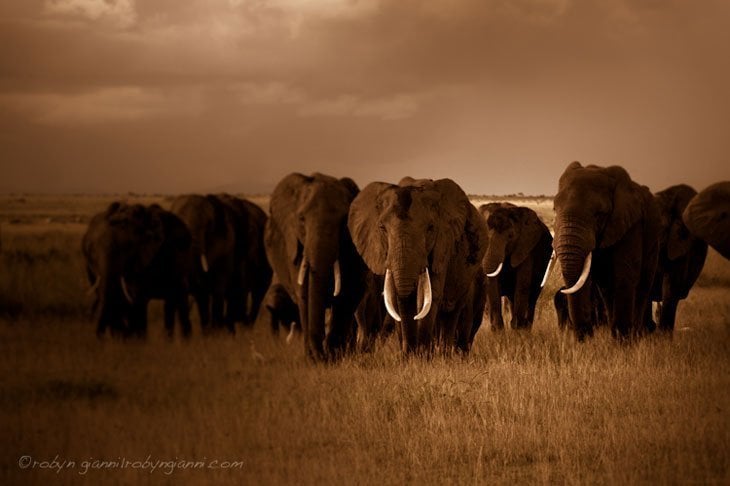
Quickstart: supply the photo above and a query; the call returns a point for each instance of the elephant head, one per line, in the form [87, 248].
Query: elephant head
[676, 240]
[513, 233]
[595, 207]
[420, 234]
[708, 216]
[309, 247]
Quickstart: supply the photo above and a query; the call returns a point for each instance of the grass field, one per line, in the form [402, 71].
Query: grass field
[522, 408]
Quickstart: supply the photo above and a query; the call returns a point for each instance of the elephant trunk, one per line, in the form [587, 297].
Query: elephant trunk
[573, 250]
[316, 305]
[494, 259]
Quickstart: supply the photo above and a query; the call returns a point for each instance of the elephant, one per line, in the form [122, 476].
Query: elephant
[212, 226]
[133, 254]
[606, 232]
[707, 216]
[681, 255]
[314, 259]
[516, 263]
[282, 311]
[252, 273]
[427, 240]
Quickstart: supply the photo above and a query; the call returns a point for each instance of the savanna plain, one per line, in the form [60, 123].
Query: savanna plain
[533, 407]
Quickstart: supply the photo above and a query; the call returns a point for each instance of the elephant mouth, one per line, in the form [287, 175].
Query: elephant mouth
[583, 276]
[337, 275]
[424, 296]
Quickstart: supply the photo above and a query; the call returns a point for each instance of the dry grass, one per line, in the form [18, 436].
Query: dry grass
[526, 408]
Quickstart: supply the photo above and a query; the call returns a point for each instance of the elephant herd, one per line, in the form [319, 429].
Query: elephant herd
[343, 265]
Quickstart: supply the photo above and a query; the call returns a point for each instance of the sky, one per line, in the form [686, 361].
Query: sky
[170, 96]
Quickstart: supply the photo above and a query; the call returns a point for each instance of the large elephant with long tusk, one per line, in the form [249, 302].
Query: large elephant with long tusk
[135, 253]
[314, 260]
[517, 262]
[606, 231]
[428, 241]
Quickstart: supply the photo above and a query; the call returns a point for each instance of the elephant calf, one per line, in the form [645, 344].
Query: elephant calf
[681, 255]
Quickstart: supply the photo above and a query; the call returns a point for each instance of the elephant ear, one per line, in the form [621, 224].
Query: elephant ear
[628, 206]
[460, 219]
[284, 207]
[351, 187]
[531, 230]
[679, 240]
[363, 223]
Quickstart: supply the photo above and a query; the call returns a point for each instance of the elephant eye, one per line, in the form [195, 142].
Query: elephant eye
[381, 226]
[430, 228]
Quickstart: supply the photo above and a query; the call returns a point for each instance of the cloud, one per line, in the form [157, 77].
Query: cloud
[391, 108]
[120, 13]
[105, 105]
[276, 93]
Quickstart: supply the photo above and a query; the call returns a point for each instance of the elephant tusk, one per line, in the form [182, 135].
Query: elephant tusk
[424, 289]
[303, 268]
[204, 262]
[93, 288]
[583, 276]
[290, 336]
[125, 290]
[547, 270]
[496, 272]
[388, 296]
[337, 279]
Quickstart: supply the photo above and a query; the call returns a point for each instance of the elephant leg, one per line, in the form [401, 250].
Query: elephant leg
[560, 301]
[622, 318]
[138, 320]
[521, 301]
[257, 297]
[183, 310]
[464, 328]
[668, 314]
[342, 329]
[202, 300]
[579, 313]
[494, 304]
[170, 308]
[217, 309]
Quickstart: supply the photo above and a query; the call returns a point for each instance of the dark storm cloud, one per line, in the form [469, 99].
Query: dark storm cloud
[168, 96]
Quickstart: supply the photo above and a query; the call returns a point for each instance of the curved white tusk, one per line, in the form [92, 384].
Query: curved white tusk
[93, 288]
[388, 296]
[547, 270]
[126, 291]
[204, 262]
[583, 276]
[337, 279]
[290, 336]
[424, 288]
[303, 267]
[496, 272]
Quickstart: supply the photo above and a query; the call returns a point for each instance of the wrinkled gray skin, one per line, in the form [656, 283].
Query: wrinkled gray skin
[212, 226]
[707, 216]
[308, 223]
[522, 244]
[251, 270]
[601, 210]
[418, 225]
[681, 255]
[150, 250]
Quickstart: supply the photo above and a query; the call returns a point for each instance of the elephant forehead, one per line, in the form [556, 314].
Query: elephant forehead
[326, 197]
[408, 201]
